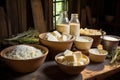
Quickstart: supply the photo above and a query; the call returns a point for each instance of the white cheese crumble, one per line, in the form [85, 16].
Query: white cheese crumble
[21, 52]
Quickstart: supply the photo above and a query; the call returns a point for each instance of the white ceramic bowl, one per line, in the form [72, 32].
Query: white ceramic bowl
[97, 55]
[83, 45]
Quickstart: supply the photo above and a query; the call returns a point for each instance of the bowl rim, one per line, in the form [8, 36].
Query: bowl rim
[60, 54]
[72, 39]
[3, 58]
[103, 33]
[114, 36]
[106, 52]
[84, 41]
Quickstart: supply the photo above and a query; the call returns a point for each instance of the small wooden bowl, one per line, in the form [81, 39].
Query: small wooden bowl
[83, 45]
[24, 66]
[55, 47]
[96, 38]
[72, 70]
[97, 57]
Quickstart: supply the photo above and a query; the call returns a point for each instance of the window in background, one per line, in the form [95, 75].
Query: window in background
[58, 7]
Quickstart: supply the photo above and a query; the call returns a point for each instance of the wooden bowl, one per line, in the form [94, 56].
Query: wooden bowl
[96, 38]
[55, 47]
[72, 70]
[84, 45]
[97, 57]
[24, 66]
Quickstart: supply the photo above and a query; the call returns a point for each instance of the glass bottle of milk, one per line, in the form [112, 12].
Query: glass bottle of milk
[74, 25]
[63, 23]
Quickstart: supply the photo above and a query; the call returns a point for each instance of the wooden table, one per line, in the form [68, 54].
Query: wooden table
[50, 71]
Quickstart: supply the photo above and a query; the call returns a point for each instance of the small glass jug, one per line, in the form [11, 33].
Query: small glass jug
[63, 23]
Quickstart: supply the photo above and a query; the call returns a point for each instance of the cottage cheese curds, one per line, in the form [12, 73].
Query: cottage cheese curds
[22, 52]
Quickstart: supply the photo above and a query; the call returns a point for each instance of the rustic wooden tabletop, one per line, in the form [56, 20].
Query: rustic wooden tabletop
[50, 71]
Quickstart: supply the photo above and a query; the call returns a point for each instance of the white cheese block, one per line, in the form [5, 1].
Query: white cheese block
[67, 52]
[68, 36]
[80, 63]
[71, 60]
[64, 38]
[60, 59]
[50, 37]
[78, 55]
[83, 60]
[57, 34]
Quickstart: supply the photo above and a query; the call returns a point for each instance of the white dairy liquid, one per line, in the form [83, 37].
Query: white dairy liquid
[82, 39]
[110, 38]
[63, 28]
[75, 29]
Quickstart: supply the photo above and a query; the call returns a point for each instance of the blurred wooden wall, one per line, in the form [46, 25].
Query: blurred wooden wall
[81, 7]
[19, 15]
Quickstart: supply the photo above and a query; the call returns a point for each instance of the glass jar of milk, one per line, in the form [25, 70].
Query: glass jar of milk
[74, 25]
[63, 23]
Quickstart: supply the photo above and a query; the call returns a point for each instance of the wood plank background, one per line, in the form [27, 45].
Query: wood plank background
[14, 17]
[3, 30]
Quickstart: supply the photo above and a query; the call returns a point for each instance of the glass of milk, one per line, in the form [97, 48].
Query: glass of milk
[110, 42]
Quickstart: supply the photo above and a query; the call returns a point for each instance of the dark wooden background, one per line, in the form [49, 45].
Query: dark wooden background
[18, 15]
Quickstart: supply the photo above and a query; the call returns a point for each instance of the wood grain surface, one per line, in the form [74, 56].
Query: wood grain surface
[50, 71]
